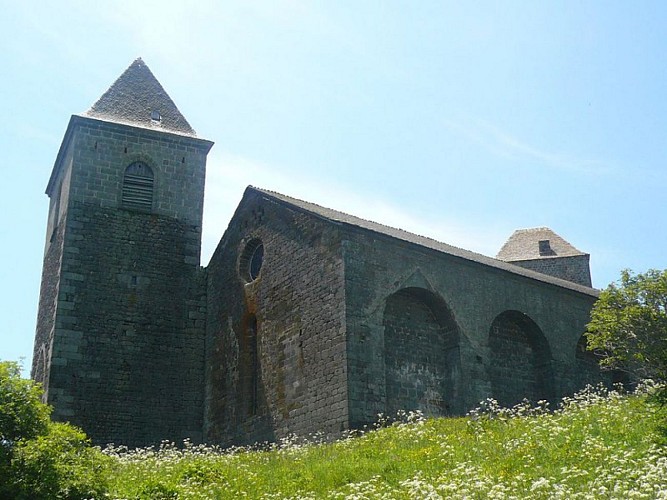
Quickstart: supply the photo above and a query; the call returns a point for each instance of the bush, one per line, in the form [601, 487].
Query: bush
[22, 413]
[39, 458]
[22, 416]
[59, 464]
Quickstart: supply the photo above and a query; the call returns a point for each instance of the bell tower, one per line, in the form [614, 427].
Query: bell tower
[119, 345]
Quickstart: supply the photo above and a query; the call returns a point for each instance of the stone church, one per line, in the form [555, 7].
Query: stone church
[305, 320]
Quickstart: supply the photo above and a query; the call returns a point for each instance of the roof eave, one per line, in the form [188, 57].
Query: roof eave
[484, 261]
[545, 257]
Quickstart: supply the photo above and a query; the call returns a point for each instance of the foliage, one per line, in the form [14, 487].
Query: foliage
[40, 459]
[599, 443]
[59, 464]
[629, 325]
[22, 413]
[22, 416]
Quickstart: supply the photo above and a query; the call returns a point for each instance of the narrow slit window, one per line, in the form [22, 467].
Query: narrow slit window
[253, 366]
[138, 187]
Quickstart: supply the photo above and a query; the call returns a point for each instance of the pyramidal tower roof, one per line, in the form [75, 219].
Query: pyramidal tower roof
[535, 243]
[138, 99]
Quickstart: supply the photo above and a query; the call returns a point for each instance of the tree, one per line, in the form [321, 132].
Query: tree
[628, 325]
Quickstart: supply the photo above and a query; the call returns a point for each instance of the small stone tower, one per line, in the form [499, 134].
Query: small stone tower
[119, 345]
[540, 249]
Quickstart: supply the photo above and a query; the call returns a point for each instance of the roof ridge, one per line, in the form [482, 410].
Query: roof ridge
[533, 229]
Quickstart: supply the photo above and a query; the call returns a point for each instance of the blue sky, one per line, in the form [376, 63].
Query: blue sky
[462, 121]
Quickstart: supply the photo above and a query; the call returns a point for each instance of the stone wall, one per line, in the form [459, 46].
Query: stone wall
[41, 358]
[127, 354]
[291, 316]
[418, 354]
[520, 365]
[102, 151]
[574, 268]
[377, 267]
[53, 253]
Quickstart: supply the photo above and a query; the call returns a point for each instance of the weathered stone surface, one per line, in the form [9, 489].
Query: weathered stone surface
[117, 348]
[574, 268]
[473, 296]
[298, 304]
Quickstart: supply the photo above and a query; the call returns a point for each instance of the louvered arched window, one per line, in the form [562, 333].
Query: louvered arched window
[138, 187]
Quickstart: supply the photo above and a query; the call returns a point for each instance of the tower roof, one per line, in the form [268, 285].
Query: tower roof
[138, 99]
[535, 243]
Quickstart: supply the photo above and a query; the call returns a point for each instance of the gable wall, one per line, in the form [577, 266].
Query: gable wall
[299, 306]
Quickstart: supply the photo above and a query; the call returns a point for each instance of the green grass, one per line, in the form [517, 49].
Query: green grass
[598, 446]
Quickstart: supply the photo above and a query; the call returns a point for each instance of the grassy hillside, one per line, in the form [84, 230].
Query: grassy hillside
[597, 446]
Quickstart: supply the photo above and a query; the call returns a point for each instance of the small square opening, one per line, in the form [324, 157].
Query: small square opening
[545, 247]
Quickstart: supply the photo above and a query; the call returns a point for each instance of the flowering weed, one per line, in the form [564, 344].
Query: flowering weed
[598, 443]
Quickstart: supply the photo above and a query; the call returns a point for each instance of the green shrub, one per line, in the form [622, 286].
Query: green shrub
[22, 413]
[22, 416]
[40, 459]
[59, 464]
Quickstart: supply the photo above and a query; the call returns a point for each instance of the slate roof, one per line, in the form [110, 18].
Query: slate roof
[335, 216]
[135, 97]
[524, 245]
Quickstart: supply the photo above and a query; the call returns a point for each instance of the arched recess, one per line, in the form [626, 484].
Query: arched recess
[520, 360]
[422, 358]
